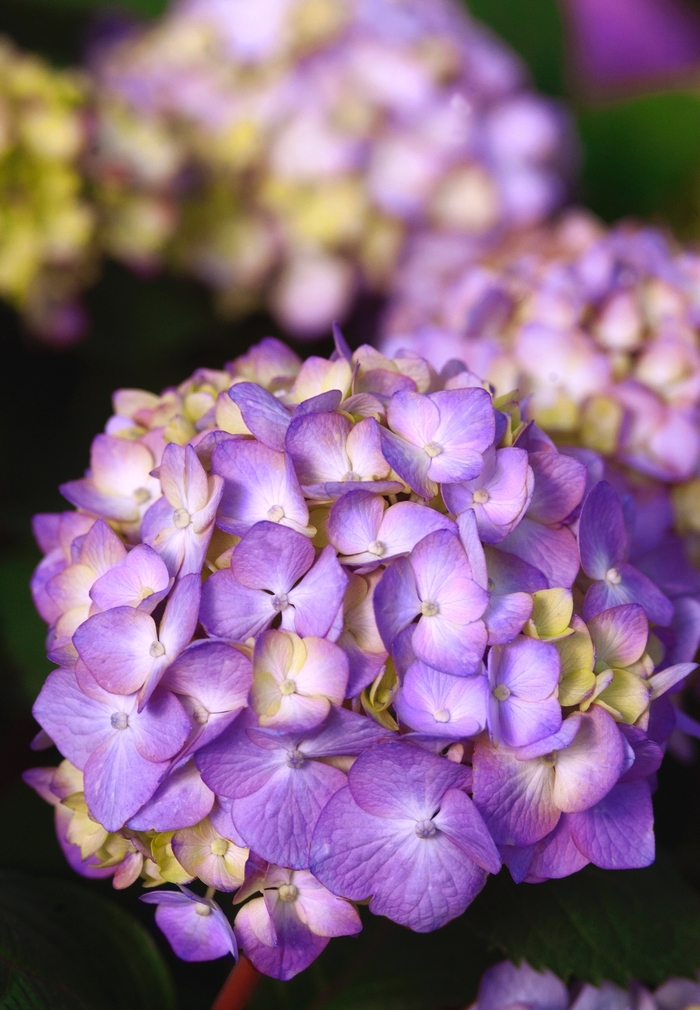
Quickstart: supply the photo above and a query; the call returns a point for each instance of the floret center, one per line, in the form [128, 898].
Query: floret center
[442, 715]
[157, 649]
[501, 692]
[141, 495]
[219, 847]
[377, 547]
[181, 519]
[119, 720]
[288, 686]
[429, 608]
[200, 714]
[275, 514]
[288, 892]
[425, 829]
[432, 449]
[612, 575]
[295, 759]
[481, 496]
[202, 909]
[280, 601]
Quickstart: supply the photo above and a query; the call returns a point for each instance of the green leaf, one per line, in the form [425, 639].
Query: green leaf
[596, 924]
[63, 947]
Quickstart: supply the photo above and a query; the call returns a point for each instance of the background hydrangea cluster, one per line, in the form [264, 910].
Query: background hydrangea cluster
[348, 629]
[505, 985]
[598, 327]
[46, 222]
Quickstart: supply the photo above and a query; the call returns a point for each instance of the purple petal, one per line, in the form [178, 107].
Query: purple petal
[602, 537]
[551, 551]
[410, 462]
[506, 984]
[317, 445]
[435, 702]
[181, 615]
[326, 581]
[514, 797]
[618, 832]
[396, 600]
[588, 769]
[460, 820]
[633, 587]
[271, 557]
[296, 945]
[510, 574]
[397, 781]
[115, 647]
[418, 882]
[192, 936]
[77, 723]
[180, 801]
[505, 616]
[231, 611]
[262, 413]
[124, 585]
[354, 522]
[619, 635]
[160, 729]
[557, 855]
[559, 485]
[528, 668]
[118, 781]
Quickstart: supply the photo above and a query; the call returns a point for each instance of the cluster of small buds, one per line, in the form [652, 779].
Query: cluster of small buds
[599, 327]
[349, 629]
[505, 985]
[46, 224]
[282, 150]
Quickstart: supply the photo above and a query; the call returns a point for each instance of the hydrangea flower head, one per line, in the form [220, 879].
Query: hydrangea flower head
[599, 326]
[46, 223]
[282, 152]
[364, 647]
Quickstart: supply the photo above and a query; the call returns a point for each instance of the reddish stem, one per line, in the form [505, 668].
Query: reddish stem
[238, 987]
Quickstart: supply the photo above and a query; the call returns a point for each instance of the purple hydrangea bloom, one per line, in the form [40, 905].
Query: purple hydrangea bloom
[403, 832]
[309, 676]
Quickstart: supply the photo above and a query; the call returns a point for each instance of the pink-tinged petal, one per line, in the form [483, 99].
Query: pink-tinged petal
[259, 483]
[530, 669]
[317, 444]
[559, 486]
[467, 422]
[562, 738]
[271, 557]
[160, 729]
[181, 615]
[505, 616]
[101, 548]
[524, 722]
[443, 575]
[670, 678]
[354, 522]
[262, 412]
[296, 946]
[214, 673]
[403, 525]
[84, 495]
[514, 797]
[507, 481]
[364, 450]
[77, 723]
[602, 537]
[326, 581]
[618, 832]
[115, 647]
[551, 551]
[396, 600]
[277, 821]
[447, 467]
[450, 647]
[325, 672]
[414, 417]
[505, 984]
[324, 913]
[183, 478]
[180, 801]
[588, 769]
[140, 581]
[119, 468]
[118, 781]
[619, 635]
[414, 792]
[374, 858]
[462, 823]
[192, 935]
[296, 712]
[231, 611]
[435, 702]
[556, 856]
[410, 463]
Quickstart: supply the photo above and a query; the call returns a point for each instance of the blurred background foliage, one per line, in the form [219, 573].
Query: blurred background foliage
[640, 157]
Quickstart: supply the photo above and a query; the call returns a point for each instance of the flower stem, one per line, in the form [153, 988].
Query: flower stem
[238, 987]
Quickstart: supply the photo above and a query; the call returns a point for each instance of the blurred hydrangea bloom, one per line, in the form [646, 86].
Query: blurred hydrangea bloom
[282, 150]
[599, 327]
[46, 224]
[350, 629]
[505, 985]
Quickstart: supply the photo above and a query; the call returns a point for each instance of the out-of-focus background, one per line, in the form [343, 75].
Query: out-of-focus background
[639, 150]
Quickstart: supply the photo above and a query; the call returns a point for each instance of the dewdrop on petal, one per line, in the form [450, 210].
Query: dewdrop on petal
[249, 704]
[284, 154]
